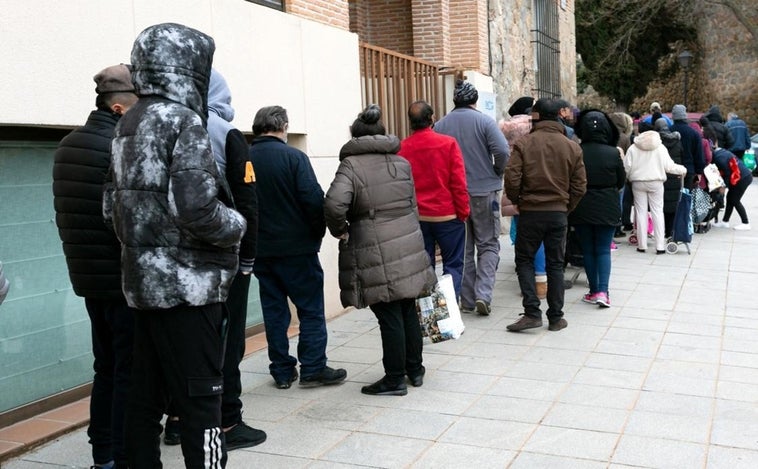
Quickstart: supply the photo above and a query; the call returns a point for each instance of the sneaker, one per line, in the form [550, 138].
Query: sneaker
[526, 322]
[467, 309]
[327, 376]
[614, 247]
[171, 432]
[721, 224]
[483, 308]
[384, 387]
[743, 227]
[590, 298]
[603, 300]
[417, 378]
[286, 383]
[108, 465]
[557, 325]
[243, 435]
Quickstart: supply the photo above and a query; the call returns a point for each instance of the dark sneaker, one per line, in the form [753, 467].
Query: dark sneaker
[286, 383]
[467, 309]
[243, 435]
[526, 322]
[557, 325]
[171, 436]
[483, 308]
[384, 387]
[327, 376]
[417, 378]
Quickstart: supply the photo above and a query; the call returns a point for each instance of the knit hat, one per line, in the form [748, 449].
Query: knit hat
[679, 112]
[660, 124]
[465, 94]
[655, 107]
[521, 106]
[114, 79]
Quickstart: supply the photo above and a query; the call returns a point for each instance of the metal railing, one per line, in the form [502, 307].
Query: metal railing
[393, 81]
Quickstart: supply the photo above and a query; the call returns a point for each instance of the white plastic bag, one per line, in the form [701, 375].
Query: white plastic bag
[439, 315]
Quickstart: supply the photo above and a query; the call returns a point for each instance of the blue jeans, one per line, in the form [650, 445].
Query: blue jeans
[300, 278]
[539, 257]
[536, 228]
[596, 249]
[451, 237]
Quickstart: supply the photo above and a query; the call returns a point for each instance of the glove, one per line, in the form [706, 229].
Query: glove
[246, 266]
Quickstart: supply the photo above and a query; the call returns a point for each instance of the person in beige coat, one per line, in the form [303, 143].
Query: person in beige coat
[371, 207]
[646, 163]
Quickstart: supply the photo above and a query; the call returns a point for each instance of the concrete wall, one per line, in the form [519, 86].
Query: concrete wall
[51, 50]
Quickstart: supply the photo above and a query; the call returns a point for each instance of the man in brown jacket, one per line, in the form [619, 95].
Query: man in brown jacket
[545, 178]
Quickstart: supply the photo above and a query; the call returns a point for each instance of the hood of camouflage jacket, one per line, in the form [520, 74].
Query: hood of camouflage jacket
[174, 61]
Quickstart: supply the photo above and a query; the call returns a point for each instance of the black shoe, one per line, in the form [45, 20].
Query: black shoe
[557, 325]
[619, 233]
[659, 252]
[640, 250]
[525, 322]
[326, 377]
[384, 387]
[171, 436]
[483, 308]
[286, 383]
[417, 378]
[243, 435]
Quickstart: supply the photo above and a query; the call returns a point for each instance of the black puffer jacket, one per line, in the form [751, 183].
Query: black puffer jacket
[93, 253]
[179, 240]
[604, 168]
[724, 135]
[373, 199]
[673, 184]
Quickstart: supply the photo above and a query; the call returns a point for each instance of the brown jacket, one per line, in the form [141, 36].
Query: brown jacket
[546, 171]
[372, 199]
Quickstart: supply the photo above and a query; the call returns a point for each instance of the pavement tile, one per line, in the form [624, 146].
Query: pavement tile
[508, 408]
[677, 404]
[738, 374]
[545, 461]
[690, 428]
[373, 450]
[612, 378]
[415, 424]
[735, 424]
[720, 457]
[581, 417]
[452, 456]
[610, 361]
[488, 433]
[640, 451]
[601, 396]
[572, 443]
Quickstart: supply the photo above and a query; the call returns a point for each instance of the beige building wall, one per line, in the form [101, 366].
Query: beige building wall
[52, 49]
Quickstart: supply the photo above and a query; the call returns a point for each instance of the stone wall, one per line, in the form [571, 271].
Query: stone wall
[511, 50]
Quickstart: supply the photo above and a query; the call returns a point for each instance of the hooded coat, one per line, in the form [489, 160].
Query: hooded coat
[673, 185]
[372, 199]
[168, 204]
[230, 151]
[648, 160]
[604, 169]
[724, 135]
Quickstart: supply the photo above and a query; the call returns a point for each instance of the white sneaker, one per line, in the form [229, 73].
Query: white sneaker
[721, 224]
[743, 227]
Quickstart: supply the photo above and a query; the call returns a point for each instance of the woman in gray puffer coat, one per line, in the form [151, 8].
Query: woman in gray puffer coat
[371, 207]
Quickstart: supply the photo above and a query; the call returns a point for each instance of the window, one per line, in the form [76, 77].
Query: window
[275, 4]
[547, 51]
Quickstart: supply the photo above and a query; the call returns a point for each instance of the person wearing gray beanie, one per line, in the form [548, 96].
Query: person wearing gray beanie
[465, 94]
[679, 112]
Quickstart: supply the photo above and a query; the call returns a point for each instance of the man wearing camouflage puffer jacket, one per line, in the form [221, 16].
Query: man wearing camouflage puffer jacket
[179, 238]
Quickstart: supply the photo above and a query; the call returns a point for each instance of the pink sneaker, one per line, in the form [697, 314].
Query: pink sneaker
[602, 300]
[590, 298]
[614, 247]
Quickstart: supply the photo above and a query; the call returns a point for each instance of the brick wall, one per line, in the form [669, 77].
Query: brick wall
[332, 12]
[468, 39]
[431, 30]
[384, 23]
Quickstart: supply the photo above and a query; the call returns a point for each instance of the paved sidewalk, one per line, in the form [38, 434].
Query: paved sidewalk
[666, 378]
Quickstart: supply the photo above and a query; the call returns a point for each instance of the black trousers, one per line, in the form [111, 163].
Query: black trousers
[402, 344]
[112, 324]
[178, 352]
[535, 228]
[236, 304]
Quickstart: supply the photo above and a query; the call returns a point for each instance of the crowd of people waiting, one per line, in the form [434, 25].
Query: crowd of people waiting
[165, 211]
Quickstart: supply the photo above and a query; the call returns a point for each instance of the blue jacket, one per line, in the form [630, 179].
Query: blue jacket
[291, 201]
[740, 133]
[485, 149]
[692, 147]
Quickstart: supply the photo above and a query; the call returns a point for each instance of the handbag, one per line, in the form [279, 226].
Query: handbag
[438, 312]
[713, 176]
[701, 205]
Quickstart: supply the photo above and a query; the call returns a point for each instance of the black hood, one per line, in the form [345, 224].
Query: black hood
[173, 61]
[593, 125]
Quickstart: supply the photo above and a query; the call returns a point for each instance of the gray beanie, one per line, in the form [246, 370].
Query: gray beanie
[679, 112]
[465, 94]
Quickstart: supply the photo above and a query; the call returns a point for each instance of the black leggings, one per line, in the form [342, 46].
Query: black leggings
[733, 197]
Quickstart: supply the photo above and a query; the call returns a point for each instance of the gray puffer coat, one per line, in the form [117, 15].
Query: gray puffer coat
[169, 206]
[373, 199]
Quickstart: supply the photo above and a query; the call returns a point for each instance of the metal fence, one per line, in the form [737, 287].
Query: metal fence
[393, 81]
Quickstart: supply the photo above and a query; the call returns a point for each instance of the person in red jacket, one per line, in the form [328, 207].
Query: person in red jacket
[440, 180]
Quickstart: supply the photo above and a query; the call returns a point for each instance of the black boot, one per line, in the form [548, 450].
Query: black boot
[386, 387]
